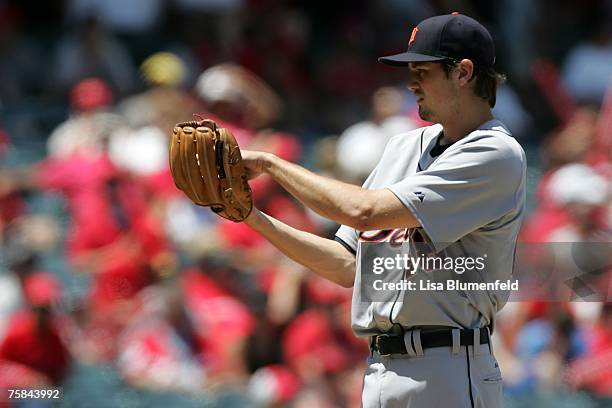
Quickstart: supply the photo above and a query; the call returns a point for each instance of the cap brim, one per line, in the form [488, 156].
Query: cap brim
[400, 60]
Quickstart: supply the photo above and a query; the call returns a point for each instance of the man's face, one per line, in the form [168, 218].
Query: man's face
[436, 93]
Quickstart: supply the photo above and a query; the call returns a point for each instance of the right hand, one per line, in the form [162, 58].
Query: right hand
[255, 162]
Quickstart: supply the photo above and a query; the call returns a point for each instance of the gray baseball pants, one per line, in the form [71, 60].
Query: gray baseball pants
[445, 377]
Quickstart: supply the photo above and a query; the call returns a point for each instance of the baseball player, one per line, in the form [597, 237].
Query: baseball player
[459, 184]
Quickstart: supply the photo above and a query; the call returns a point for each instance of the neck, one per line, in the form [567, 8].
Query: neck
[464, 123]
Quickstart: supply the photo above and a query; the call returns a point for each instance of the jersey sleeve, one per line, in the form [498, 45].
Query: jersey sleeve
[348, 237]
[467, 188]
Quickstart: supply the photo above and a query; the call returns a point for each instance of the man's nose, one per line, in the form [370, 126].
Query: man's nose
[413, 85]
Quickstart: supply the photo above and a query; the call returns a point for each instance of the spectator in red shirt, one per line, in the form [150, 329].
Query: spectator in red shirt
[33, 336]
[593, 371]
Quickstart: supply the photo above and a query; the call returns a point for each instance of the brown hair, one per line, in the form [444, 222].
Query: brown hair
[487, 80]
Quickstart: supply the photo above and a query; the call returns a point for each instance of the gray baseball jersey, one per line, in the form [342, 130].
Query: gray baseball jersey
[471, 195]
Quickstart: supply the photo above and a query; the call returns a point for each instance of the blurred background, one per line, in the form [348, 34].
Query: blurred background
[115, 287]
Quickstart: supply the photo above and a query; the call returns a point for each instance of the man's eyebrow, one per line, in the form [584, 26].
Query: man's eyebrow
[416, 65]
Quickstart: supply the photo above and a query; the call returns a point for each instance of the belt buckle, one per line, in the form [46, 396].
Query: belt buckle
[377, 343]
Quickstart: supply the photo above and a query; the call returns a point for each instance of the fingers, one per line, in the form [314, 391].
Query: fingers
[253, 162]
[190, 167]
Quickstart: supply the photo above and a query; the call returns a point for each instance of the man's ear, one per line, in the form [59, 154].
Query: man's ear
[465, 70]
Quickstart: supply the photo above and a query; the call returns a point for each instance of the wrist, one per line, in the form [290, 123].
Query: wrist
[268, 160]
[254, 218]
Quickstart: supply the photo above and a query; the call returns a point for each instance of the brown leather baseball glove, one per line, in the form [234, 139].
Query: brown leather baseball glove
[207, 166]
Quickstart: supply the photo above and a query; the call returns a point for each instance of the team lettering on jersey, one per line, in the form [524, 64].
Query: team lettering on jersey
[398, 236]
[391, 235]
[394, 236]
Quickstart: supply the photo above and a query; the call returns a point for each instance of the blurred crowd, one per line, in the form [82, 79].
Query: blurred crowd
[106, 267]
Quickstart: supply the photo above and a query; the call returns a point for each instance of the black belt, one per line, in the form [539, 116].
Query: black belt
[386, 344]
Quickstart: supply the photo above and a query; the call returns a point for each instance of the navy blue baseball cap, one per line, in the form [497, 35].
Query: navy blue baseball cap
[450, 36]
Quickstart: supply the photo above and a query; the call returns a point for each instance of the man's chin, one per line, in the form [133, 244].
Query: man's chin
[424, 114]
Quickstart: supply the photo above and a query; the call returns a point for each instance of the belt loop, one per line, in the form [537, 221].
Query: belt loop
[416, 340]
[408, 343]
[456, 341]
[490, 341]
[476, 341]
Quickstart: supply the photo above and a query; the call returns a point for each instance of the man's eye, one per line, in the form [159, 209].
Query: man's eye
[419, 73]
